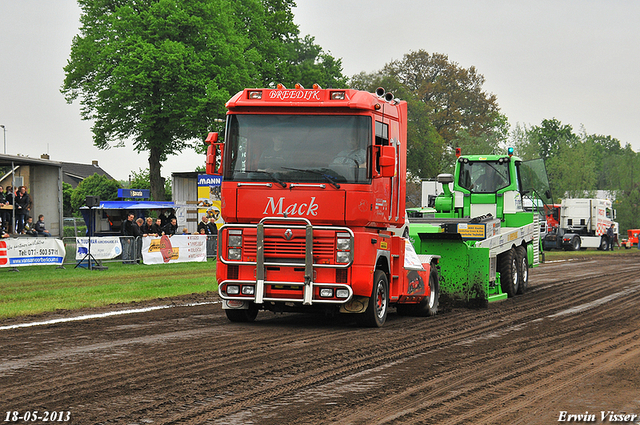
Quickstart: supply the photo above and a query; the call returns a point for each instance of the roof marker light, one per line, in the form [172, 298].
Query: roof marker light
[458, 152]
[281, 86]
[299, 86]
[317, 87]
[337, 95]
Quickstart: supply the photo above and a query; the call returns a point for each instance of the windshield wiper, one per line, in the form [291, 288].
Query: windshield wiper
[270, 174]
[328, 178]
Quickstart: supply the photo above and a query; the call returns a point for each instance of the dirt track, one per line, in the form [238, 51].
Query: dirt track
[572, 343]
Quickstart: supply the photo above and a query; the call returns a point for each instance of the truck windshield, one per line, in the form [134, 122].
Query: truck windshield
[331, 149]
[484, 176]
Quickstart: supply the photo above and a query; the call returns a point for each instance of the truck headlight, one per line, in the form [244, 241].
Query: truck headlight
[248, 290]
[233, 289]
[234, 254]
[342, 293]
[326, 293]
[342, 256]
[343, 247]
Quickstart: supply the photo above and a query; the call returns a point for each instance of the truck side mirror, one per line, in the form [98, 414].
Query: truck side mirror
[212, 151]
[387, 161]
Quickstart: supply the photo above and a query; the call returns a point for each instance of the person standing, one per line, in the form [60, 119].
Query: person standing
[23, 206]
[5, 214]
[610, 235]
[156, 228]
[204, 225]
[10, 198]
[128, 239]
[147, 227]
[171, 228]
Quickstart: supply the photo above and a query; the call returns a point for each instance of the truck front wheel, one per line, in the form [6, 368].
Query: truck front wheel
[378, 307]
[509, 270]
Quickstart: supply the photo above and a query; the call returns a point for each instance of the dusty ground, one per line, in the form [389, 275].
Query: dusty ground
[572, 343]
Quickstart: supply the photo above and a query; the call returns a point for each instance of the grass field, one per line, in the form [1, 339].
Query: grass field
[40, 289]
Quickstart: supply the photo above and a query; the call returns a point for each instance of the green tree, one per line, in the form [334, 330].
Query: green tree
[140, 180]
[157, 72]
[67, 192]
[550, 135]
[95, 185]
[446, 106]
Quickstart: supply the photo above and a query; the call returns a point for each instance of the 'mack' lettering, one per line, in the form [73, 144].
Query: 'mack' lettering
[276, 208]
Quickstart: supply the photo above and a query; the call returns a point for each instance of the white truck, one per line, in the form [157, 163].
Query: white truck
[584, 223]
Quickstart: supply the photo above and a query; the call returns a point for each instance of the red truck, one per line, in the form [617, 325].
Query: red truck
[313, 197]
[632, 238]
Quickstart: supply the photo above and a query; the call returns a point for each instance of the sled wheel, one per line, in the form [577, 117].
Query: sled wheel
[429, 306]
[509, 272]
[243, 316]
[378, 307]
[521, 251]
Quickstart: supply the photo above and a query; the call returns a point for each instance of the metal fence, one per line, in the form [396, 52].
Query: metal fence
[130, 253]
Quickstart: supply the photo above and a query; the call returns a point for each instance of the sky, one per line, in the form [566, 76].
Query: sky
[574, 60]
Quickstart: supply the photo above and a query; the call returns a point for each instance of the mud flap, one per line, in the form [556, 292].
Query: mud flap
[356, 305]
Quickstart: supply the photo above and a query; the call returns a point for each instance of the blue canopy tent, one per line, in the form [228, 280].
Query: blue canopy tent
[107, 218]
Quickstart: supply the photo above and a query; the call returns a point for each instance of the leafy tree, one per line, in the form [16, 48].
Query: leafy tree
[67, 192]
[550, 135]
[95, 185]
[157, 72]
[446, 106]
[140, 180]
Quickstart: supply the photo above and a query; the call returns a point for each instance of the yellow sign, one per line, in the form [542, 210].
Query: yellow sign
[472, 231]
[383, 245]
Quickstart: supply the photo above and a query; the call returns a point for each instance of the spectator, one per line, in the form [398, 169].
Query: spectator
[9, 197]
[137, 227]
[171, 228]
[127, 240]
[39, 227]
[147, 227]
[185, 231]
[610, 233]
[23, 206]
[204, 225]
[28, 228]
[156, 229]
[5, 214]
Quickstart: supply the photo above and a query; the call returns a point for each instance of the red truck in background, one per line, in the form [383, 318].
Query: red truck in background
[313, 195]
[632, 238]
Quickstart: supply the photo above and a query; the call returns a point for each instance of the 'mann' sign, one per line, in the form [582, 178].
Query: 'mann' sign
[209, 180]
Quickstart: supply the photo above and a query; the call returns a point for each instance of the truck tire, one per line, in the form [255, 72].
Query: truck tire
[378, 306]
[427, 307]
[604, 243]
[523, 273]
[243, 316]
[509, 270]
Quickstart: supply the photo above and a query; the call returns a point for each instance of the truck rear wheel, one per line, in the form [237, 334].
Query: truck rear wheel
[378, 307]
[509, 270]
[429, 306]
[243, 316]
[524, 269]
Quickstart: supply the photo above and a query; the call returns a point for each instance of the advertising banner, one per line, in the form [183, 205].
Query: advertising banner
[102, 248]
[174, 249]
[31, 252]
[209, 203]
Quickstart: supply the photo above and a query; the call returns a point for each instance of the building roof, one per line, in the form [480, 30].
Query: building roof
[74, 173]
